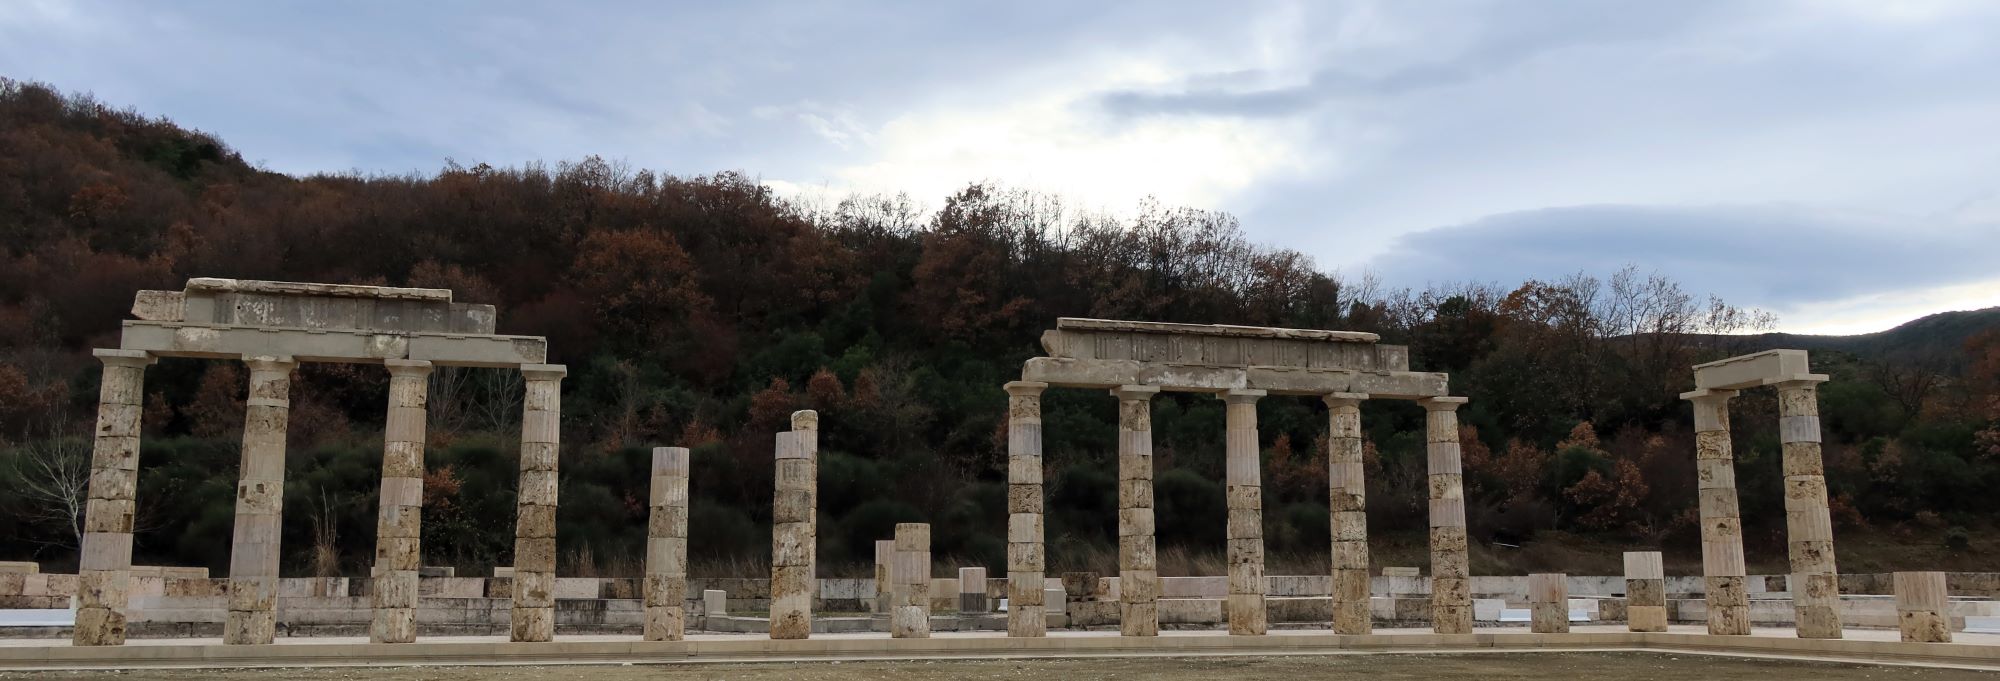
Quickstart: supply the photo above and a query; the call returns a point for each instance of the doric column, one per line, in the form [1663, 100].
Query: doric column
[1645, 591]
[105, 563]
[534, 614]
[1808, 525]
[1920, 607]
[666, 546]
[260, 500]
[1721, 525]
[1348, 502]
[885, 557]
[910, 611]
[1451, 591]
[399, 512]
[1026, 609]
[1246, 514]
[792, 541]
[1138, 562]
[1548, 603]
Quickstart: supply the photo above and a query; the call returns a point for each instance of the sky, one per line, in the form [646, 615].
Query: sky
[1836, 162]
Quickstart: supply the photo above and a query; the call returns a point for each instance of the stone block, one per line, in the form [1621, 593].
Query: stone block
[1646, 617]
[1246, 615]
[534, 554]
[534, 589]
[532, 624]
[538, 488]
[1024, 499]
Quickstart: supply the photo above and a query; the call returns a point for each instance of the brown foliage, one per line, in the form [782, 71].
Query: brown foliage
[217, 409]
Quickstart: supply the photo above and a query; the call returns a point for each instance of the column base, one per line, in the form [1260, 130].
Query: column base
[666, 623]
[1027, 621]
[1139, 619]
[1246, 615]
[533, 625]
[1728, 620]
[393, 625]
[248, 627]
[98, 627]
[1817, 621]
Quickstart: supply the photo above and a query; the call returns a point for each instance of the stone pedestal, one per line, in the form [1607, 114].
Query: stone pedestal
[1721, 524]
[910, 608]
[1815, 581]
[1347, 501]
[714, 603]
[1921, 601]
[666, 547]
[399, 511]
[972, 591]
[1026, 610]
[1451, 590]
[1138, 562]
[792, 540]
[1645, 591]
[534, 612]
[260, 499]
[1548, 603]
[1246, 515]
[105, 563]
[885, 557]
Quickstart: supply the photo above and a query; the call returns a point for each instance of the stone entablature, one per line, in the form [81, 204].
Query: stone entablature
[1102, 353]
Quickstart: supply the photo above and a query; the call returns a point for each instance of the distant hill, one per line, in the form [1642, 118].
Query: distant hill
[1940, 336]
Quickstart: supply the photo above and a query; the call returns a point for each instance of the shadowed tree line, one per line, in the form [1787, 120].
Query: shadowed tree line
[702, 310]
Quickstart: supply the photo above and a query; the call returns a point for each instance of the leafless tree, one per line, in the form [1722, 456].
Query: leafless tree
[54, 477]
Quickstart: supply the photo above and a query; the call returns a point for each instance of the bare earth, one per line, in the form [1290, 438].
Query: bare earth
[1499, 667]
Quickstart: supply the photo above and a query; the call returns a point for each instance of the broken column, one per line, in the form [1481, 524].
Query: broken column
[1808, 524]
[1921, 600]
[1026, 609]
[105, 563]
[1138, 562]
[260, 499]
[666, 547]
[1645, 591]
[1451, 590]
[534, 613]
[399, 511]
[885, 556]
[972, 590]
[1246, 514]
[910, 610]
[1548, 603]
[1348, 501]
[1721, 525]
[792, 540]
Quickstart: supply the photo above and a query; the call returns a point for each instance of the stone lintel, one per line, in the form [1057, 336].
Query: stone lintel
[299, 288]
[170, 339]
[1084, 324]
[1108, 374]
[1752, 370]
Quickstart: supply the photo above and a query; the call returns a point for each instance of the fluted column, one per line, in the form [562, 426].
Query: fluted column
[1026, 609]
[534, 613]
[260, 500]
[666, 546]
[1922, 603]
[1721, 524]
[1548, 603]
[399, 512]
[1645, 591]
[1246, 514]
[1808, 524]
[792, 541]
[105, 563]
[1451, 590]
[910, 611]
[1138, 562]
[1347, 501]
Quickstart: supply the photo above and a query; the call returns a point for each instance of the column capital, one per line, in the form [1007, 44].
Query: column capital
[408, 367]
[544, 372]
[124, 358]
[279, 363]
[1708, 395]
[1343, 399]
[1798, 381]
[1025, 388]
[805, 419]
[1135, 392]
[1241, 395]
[1443, 403]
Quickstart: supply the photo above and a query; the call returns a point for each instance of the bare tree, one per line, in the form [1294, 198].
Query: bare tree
[54, 477]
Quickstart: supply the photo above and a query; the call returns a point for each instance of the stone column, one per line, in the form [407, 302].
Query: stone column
[260, 501]
[1026, 610]
[534, 614]
[1246, 515]
[666, 547]
[1645, 591]
[910, 611]
[885, 556]
[972, 590]
[1548, 603]
[1921, 600]
[105, 562]
[1348, 501]
[399, 511]
[1451, 590]
[792, 540]
[1138, 562]
[1721, 525]
[1808, 525]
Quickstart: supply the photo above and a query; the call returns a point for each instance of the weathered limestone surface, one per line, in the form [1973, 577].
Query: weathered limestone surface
[534, 608]
[1645, 591]
[1026, 612]
[1548, 603]
[792, 537]
[885, 558]
[1111, 373]
[260, 497]
[1752, 370]
[910, 611]
[1348, 503]
[1809, 525]
[972, 590]
[1451, 593]
[1921, 600]
[666, 547]
[1138, 563]
[1721, 523]
[106, 558]
[399, 512]
[1246, 514]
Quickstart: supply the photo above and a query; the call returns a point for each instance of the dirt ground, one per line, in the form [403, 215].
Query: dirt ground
[1497, 667]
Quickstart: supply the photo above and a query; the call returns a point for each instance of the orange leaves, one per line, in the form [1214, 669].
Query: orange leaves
[640, 282]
